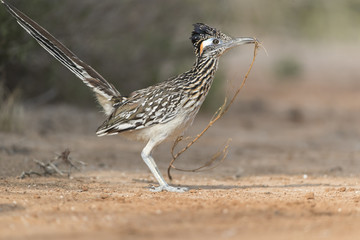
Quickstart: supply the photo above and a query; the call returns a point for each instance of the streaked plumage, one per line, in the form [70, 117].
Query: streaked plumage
[153, 114]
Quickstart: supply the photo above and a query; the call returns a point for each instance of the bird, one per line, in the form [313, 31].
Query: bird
[153, 114]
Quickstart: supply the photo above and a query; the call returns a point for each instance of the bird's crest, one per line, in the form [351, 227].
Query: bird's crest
[203, 32]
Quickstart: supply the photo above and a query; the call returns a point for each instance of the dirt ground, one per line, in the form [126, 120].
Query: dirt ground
[292, 171]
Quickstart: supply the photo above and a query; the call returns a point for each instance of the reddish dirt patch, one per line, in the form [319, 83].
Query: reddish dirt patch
[115, 205]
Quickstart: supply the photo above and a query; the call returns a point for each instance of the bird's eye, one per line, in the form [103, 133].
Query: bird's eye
[216, 41]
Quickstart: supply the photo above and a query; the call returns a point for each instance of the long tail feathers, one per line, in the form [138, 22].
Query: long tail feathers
[105, 92]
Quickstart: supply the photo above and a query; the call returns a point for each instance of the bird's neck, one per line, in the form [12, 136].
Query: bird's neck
[202, 62]
[205, 69]
[199, 80]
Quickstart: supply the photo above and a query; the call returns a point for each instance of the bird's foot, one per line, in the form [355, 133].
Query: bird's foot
[169, 189]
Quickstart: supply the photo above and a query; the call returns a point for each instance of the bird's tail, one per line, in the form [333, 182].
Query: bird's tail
[105, 92]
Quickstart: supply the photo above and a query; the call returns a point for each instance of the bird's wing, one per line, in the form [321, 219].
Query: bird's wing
[142, 109]
[82, 70]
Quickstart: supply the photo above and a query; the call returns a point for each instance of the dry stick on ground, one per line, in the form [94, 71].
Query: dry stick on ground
[51, 168]
[65, 158]
[218, 114]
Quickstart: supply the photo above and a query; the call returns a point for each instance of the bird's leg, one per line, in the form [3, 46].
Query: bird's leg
[146, 156]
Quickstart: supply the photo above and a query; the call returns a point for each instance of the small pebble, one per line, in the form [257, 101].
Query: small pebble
[104, 196]
[310, 196]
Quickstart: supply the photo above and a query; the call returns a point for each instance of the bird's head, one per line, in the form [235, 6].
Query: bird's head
[210, 42]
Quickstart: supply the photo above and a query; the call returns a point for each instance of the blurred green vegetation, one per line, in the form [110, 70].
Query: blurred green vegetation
[11, 117]
[288, 69]
[137, 43]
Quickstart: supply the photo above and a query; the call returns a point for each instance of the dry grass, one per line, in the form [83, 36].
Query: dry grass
[11, 111]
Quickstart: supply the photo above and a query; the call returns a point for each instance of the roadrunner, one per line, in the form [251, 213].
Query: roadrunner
[153, 114]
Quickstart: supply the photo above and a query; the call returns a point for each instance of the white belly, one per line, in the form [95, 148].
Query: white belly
[163, 131]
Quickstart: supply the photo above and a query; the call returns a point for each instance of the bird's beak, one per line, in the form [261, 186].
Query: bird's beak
[239, 41]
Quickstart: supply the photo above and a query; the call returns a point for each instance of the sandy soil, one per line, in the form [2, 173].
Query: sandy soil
[115, 205]
[292, 172]
[291, 177]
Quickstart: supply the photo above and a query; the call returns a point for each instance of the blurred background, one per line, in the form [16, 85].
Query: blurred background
[138, 43]
[308, 81]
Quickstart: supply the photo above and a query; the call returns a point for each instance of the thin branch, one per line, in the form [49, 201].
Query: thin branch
[217, 115]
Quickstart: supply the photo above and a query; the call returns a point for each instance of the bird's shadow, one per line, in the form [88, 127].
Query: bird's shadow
[9, 207]
[227, 187]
